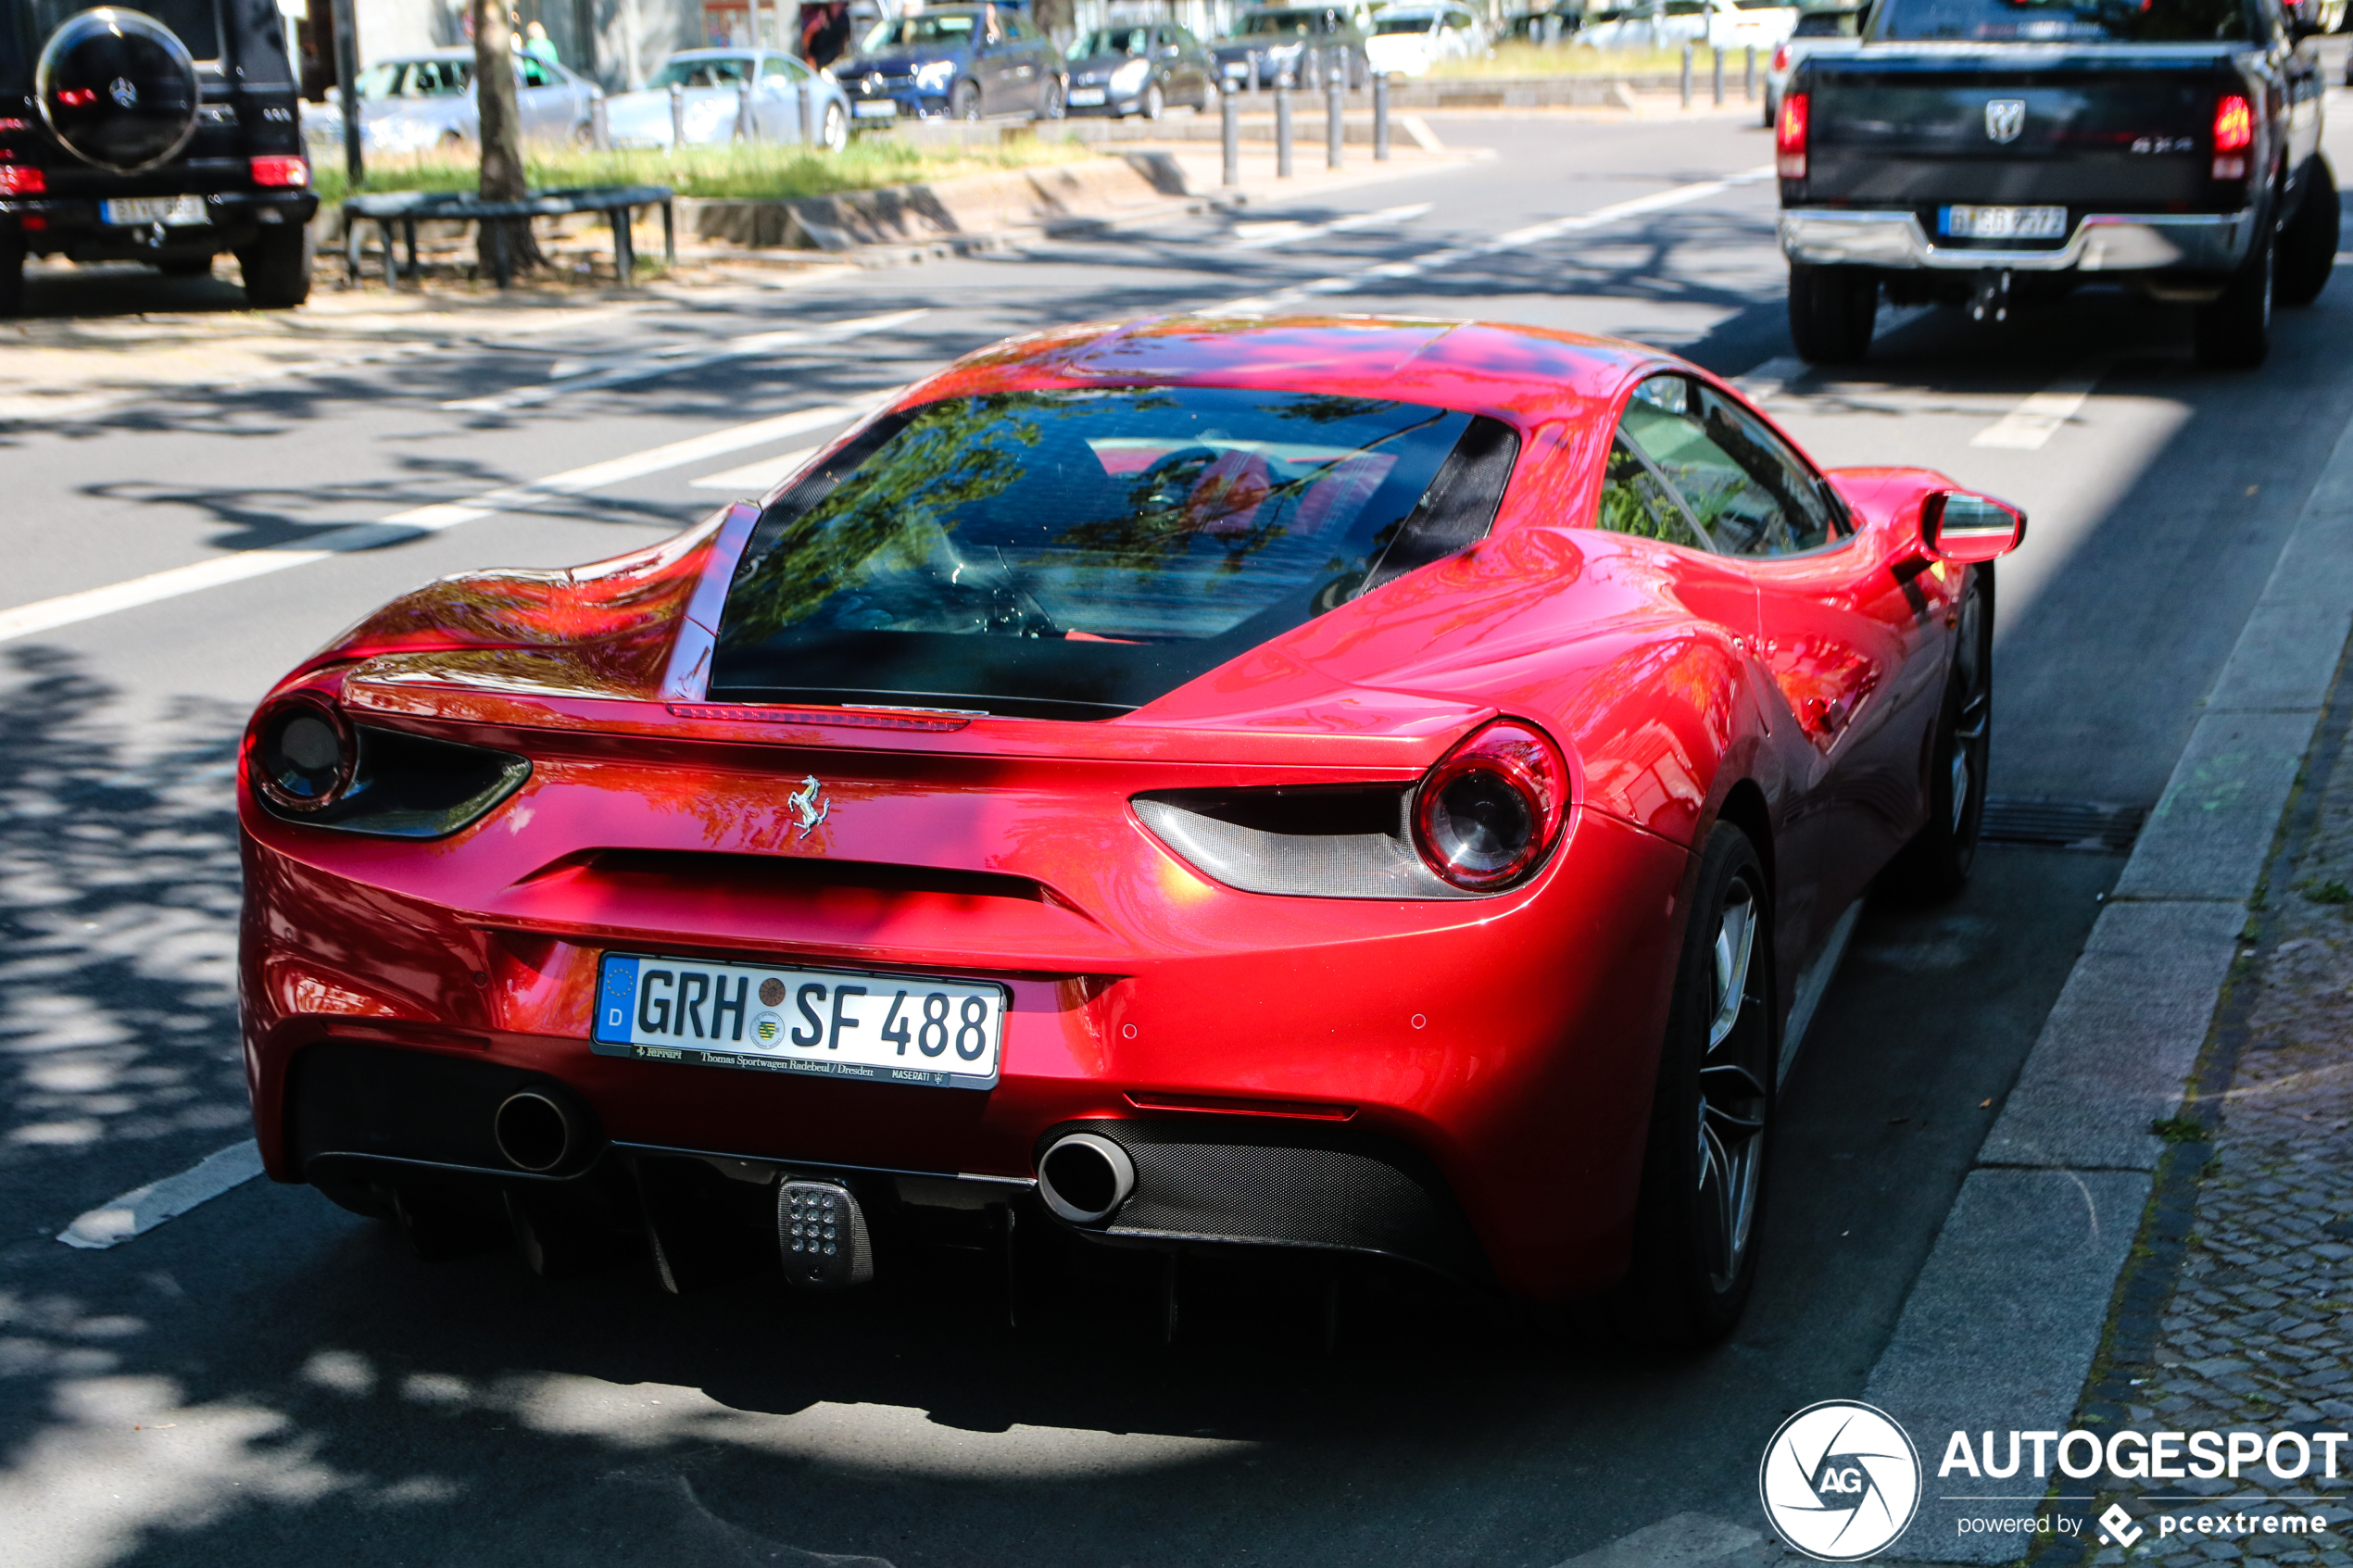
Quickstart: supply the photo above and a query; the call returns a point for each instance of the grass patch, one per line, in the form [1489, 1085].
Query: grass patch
[2325, 892]
[2178, 1129]
[743, 171]
[1573, 60]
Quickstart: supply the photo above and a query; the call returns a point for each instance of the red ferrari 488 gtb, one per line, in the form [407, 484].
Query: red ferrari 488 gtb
[1367, 785]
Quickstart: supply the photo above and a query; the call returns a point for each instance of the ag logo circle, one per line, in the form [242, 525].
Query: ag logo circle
[1840, 1480]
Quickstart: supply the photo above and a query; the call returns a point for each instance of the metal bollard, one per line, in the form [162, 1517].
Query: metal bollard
[1380, 116]
[677, 115]
[600, 124]
[1748, 82]
[1687, 76]
[1282, 126]
[1715, 57]
[1335, 125]
[1230, 128]
[1255, 84]
[809, 124]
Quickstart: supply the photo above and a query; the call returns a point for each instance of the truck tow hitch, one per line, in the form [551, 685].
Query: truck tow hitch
[1992, 300]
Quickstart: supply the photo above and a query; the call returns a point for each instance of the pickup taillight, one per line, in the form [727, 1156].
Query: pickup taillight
[2234, 134]
[1789, 137]
[1781, 59]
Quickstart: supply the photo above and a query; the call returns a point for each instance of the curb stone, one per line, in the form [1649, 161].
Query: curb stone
[2003, 1324]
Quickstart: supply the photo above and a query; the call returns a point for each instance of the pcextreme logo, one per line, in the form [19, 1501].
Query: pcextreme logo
[1840, 1481]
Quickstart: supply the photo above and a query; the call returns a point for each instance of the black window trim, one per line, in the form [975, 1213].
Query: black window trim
[1822, 486]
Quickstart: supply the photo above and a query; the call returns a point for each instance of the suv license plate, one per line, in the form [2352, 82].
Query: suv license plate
[183, 212]
[836, 1024]
[2004, 223]
[875, 108]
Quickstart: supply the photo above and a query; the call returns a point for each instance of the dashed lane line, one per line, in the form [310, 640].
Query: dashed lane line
[143, 1208]
[2041, 416]
[758, 478]
[570, 376]
[1516, 239]
[1285, 232]
[47, 615]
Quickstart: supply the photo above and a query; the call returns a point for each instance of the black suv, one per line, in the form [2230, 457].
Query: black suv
[165, 132]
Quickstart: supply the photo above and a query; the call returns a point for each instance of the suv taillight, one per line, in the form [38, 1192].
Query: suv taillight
[1780, 59]
[2234, 134]
[279, 169]
[1789, 137]
[17, 180]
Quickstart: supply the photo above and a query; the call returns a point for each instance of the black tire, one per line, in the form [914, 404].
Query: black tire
[186, 267]
[1702, 1196]
[1936, 862]
[1772, 111]
[1050, 100]
[276, 267]
[11, 274]
[1831, 312]
[964, 101]
[1156, 102]
[2307, 242]
[2234, 332]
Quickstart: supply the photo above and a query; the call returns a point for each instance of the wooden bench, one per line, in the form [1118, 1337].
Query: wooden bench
[407, 209]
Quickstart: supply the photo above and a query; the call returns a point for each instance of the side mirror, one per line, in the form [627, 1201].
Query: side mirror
[1966, 528]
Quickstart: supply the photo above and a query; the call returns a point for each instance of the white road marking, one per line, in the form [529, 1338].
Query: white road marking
[1766, 380]
[2035, 421]
[64, 610]
[1534, 234]
[756, 479]
[575, 375]
[143, 1208]
[1283, 232]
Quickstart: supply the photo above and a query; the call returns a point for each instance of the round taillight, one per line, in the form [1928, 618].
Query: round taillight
[1780, 59]
[1490, 812]
[302, 754]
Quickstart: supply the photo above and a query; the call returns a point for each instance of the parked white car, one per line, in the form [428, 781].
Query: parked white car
[1817, 32]
[1724, 24]
[415, 103]
[1408, 40]
[710, 82]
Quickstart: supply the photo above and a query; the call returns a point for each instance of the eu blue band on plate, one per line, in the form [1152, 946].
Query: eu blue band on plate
[615, 996]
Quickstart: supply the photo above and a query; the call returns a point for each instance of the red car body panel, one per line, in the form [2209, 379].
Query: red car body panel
[1512, 1041]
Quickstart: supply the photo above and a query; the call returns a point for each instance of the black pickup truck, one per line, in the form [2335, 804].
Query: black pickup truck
[1977, 151]
[160, 131]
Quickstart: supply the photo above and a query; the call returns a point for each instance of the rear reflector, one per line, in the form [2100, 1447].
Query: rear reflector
[17, 180]
[1789, 137]
[281, 169]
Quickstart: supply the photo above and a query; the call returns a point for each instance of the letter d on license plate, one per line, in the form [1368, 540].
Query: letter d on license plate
[835, 1024]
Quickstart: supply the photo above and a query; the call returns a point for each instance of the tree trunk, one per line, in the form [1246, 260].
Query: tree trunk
[502, 168]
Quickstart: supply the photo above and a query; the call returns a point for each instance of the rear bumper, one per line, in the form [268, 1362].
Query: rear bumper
[2204, 242]
[71, 226]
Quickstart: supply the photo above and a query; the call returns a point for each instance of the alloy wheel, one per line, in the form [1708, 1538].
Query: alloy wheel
[1732, 1093]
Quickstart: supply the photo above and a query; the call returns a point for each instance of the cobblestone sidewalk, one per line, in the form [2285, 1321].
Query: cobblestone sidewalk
[2257, 1335]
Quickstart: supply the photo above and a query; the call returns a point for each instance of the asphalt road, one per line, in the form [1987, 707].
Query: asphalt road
[267, 1379]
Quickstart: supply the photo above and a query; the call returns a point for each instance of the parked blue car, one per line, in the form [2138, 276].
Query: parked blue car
[960, 62]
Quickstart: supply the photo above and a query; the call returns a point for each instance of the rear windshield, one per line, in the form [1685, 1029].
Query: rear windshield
[1826, 24]
[1079, 554]
[2063, 21]
[192, 21]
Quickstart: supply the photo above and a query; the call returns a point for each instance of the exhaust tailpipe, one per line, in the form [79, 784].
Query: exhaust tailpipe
[1085, 1178]
[536, 1133]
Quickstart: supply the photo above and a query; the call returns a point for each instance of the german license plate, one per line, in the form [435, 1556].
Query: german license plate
[835, 1024]
[139, 211]
[2004, 223]
[875, 108]
[1086, 97]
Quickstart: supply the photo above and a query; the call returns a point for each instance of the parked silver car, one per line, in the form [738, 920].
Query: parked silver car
[710, 82]
[415, 103]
